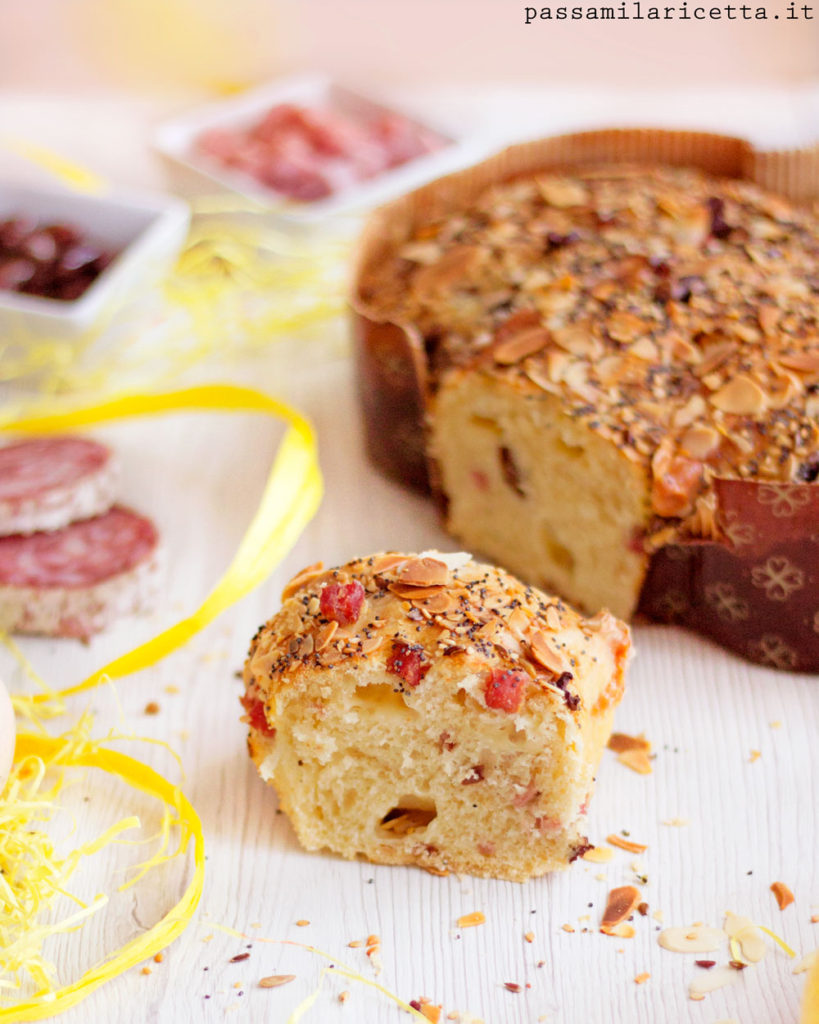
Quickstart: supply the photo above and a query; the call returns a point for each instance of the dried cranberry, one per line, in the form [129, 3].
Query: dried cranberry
[809, 470]
[557, 241]
[510, 470]
[571, 700]
[720, 228]
[255, 715]
[505, 688]
[685, 287]
[342, 602]
[408, 661]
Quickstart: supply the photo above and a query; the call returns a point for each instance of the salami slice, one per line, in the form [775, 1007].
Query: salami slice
[74, 582]
[47, 483]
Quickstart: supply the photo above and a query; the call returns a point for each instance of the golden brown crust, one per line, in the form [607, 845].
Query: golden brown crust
[432, 606]
[674, 313]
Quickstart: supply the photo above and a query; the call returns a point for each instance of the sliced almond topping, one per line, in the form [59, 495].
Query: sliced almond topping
[698, 938]
[331, 656]
[620, 931]
[302, 578]
[441, 603]
[413, 593]
[768, 317]
[700, 441]
[544, 654]
[645, 349]
[563, 192]
[742, 396]
[621, 903]
[453, 266]
[714, 356]
[694, 409]
[784, 897]
[471, 920]
[576, 339]
[370, 644]
[384, 563]
[557, 365]
[626, 844]
[518, 621]
[624, 326]
[519, 346]
[637, 760]
[326, 634]
[802, 362]
[274, 980]
[708, 981]
[599, 854]
[553, 618]
[424, 572]
[621, 741]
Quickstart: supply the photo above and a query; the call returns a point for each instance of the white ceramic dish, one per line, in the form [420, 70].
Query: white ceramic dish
[176, 141]
[146, 230]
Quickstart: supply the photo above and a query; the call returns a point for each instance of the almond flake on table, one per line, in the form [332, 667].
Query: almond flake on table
[626, 844]
[743, 931]
[784, 896]
[275, 980]
[620, 742]
[755, 756]
[620, 905]
[709, 981]
[698, 938]
[637, 760]
[471, 920]
[675, 822]
[598, 855]
[641, 979]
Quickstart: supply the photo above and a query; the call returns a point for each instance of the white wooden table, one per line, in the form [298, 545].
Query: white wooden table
[751, 819]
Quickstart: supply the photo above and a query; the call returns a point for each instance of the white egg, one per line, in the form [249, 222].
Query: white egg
[8, 734]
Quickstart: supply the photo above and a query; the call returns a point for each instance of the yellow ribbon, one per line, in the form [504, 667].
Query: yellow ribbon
[291, 497]
[55, 752]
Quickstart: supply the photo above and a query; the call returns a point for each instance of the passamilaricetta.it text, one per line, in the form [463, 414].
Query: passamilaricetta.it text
[636, 10]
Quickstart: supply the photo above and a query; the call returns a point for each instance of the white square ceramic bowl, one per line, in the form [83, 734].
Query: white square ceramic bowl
[146, 230]
[176, 141]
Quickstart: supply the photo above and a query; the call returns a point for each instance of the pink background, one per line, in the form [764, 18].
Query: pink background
[214, 45]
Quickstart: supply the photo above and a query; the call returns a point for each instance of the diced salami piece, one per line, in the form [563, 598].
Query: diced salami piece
[47, 483]
[74, 582]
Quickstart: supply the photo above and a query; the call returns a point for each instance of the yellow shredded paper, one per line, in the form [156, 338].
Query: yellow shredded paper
[32, 873]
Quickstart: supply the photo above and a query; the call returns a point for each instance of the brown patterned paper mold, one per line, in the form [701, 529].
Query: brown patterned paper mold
[601, 352]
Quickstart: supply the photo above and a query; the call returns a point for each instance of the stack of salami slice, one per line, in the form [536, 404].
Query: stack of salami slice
[71, 560]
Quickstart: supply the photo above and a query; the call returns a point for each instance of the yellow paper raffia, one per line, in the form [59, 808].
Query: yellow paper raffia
[291, 496]
[45, 875]
[238, 287]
